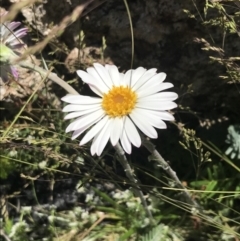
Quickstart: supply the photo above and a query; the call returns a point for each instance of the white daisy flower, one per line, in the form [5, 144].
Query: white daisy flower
[127, 102]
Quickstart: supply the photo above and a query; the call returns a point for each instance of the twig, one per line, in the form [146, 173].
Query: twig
[4, 235]
[15, 9]
[57, 30]
[101, 218]
[51, 76]
[130, 174]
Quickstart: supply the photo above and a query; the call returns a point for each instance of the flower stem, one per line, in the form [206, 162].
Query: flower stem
[131, 176]
[156, 156]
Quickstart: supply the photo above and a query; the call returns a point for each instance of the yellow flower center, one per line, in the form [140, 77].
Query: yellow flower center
[119, 101]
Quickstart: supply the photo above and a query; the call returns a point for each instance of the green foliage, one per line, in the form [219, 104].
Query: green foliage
[8, 225]
[6, 54]
[158, 233]
[19, 232]
[7, 167]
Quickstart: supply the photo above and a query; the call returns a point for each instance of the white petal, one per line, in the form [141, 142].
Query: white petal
[87, 77]
[116, 132]
[144, 126]
[94, 131]
[158, 123]
[126, 144]
[80, 107]
[73, 115]
[163, 115]
[104, 75]
[156, 79]
[145, 77]
[78, 132]
[166, 116]
[93, 79]
[127, 77]
[81, 99]
[101, 139]
[82, 121]
[153, 89]
[96, 90]
[71, 125]
[121, 76]
[114, 74]
[80, 113]
[165, 105]
[151, 117]
[137, 74]
[163, 96]
[132, 132]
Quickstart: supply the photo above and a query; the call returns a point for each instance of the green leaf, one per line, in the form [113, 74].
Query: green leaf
[158, 233]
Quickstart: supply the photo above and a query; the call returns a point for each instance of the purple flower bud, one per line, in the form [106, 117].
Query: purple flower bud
[10, 38]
